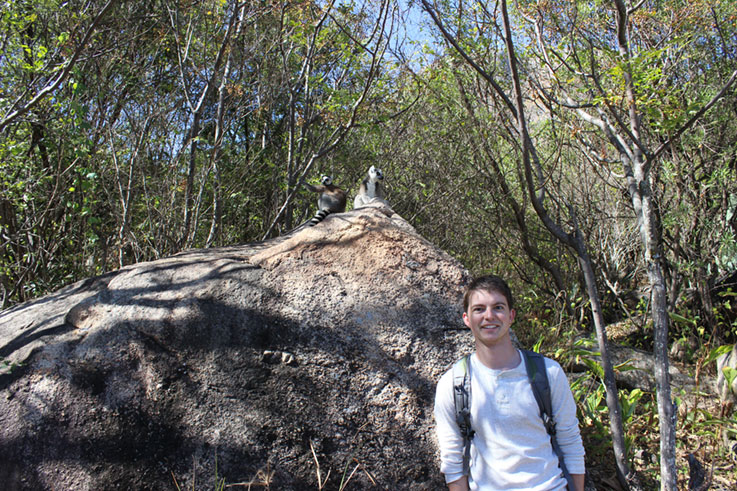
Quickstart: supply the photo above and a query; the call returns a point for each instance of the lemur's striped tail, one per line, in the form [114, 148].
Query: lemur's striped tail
[319, 217]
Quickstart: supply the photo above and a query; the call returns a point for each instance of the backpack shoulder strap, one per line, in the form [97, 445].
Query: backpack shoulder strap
[538, 375]
[462, 400]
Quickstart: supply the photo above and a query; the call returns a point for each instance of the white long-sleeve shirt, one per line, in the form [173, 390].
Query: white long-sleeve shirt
[510, 449]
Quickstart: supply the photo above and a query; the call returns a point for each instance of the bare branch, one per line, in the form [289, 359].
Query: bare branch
[635, 8]
[499, 90]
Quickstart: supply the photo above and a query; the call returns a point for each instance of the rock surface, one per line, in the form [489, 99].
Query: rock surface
[635, 369]
[247, 363]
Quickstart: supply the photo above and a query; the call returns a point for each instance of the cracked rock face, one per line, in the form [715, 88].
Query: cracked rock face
[248, 363]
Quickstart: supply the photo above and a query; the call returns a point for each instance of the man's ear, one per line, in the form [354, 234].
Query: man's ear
[512, 314]
[465, 320]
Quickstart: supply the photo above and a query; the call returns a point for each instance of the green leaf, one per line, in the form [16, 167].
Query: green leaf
[730, 374]
[717, 352]
[594, 367]
[681, 319]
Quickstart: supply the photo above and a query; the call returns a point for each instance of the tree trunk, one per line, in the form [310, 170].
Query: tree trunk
[8, 254]
[610, 384]
[647, 220]
[653, 257]
[189, 186]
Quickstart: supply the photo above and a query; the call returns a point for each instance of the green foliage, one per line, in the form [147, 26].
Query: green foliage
[628, 402]
[9, 366]
[107, 161]
[729, 374]
[717, 352]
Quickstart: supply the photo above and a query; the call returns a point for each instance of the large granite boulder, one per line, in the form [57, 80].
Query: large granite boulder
[254, 363]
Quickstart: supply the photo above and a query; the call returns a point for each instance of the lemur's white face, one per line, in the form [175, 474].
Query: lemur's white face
[326, 180]
[375, 174]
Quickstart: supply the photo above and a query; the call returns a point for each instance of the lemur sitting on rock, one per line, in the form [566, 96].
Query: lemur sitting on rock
[371, 190]
[332, 199]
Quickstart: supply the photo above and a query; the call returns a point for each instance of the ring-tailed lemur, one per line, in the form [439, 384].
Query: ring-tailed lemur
[332, 199]
[371, 188]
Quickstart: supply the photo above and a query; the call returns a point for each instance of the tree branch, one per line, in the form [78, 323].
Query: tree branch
[665, 145]
[499, 90]
[67, 67]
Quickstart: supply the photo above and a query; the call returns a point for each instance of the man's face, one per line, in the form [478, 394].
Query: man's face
[489, 317]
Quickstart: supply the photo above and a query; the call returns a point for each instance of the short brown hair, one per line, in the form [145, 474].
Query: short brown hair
[489, 283]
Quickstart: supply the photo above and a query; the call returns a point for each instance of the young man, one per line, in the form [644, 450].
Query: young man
[510, 448]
